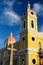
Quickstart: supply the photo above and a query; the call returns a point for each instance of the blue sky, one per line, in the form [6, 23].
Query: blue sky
[10, 17]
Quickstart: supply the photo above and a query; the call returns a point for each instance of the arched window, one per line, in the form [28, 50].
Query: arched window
[24, 13]
[33, 39]
[24, 25]
[32, 13]
[23, 62]
[23, 38]
[33, 61]
[32, 24]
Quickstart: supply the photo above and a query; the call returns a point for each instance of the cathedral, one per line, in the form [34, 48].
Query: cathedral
[29, 49]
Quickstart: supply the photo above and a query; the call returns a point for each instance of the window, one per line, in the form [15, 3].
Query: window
[10, 45]
[24, 13]
[23, 38]
[33, 39]
[32, 13]
[24, 24]
[23, 62]
[32, 24]
[23, 42]
[33, 61]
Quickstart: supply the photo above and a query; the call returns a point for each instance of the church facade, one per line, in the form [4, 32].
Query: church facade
[29, 49]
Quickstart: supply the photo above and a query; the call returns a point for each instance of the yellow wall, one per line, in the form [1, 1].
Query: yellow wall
[33, 56]
[33, 44]
[29, 18]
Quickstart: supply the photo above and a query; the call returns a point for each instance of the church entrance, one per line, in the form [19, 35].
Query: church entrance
[41, 61]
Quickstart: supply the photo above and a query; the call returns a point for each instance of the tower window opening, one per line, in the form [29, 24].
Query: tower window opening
[24, 13]
[34, 61]
[24, 25]
[32, 13]
[23, 39]
[33, 39]
[32, 24]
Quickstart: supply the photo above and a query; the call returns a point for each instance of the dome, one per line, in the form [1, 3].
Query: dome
[10, 39]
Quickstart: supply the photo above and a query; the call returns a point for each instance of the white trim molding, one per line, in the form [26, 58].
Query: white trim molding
[29, 49]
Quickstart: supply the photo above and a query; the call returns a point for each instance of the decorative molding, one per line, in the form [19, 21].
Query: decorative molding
[29, 49]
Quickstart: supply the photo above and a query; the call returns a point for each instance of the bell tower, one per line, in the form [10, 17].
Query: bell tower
[28, 37]
[32, 44]
[31, 19]
[28, 23]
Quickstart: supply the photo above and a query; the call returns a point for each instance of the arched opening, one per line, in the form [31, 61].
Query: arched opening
[33, 61]
[24, 25]
[32, 24]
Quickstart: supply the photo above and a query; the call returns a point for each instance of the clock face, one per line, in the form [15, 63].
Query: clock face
[33, 61]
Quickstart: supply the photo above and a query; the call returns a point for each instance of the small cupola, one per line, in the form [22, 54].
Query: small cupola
[10, 40]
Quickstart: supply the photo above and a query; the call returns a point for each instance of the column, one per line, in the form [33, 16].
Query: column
[26, 59]
[19, 60]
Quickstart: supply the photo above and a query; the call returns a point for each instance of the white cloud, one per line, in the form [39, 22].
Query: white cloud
[38, 8]
[9, 4]
[12, 17]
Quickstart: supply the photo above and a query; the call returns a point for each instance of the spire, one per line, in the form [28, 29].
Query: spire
[28, 5]
[11, 34]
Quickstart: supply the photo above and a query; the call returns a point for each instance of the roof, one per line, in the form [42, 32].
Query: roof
[10, 39]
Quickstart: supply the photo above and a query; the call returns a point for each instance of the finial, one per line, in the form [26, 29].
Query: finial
[28, 4]
[11, 34]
